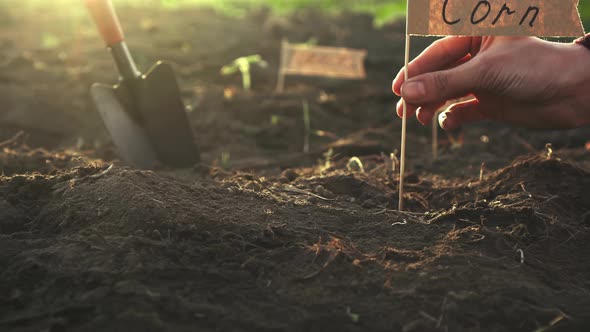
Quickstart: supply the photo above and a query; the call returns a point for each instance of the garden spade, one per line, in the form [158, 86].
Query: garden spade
[143, 113]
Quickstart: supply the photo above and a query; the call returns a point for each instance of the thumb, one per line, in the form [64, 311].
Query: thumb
[438, 87]
[461, 113]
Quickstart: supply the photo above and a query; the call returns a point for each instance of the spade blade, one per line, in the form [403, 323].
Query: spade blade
[129, 138]
[164, 117]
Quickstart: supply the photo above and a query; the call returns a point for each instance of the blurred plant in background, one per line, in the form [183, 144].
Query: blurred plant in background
[585, 13]
[383, 10]
[243, 66]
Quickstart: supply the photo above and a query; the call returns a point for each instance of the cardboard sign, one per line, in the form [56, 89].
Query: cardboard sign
[547, 18]
[334, 62]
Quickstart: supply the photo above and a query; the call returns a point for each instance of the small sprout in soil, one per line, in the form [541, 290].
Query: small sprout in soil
[243, 66]
[353, 317]
[327, 164]
[520, 253]
[481, 170]
[549, 148]
[391, 163]
[225, 161]
[355, 165]
[306, 126]
[394, 161]
[275, 120]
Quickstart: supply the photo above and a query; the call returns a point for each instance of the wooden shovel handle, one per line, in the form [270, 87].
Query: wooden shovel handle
[106, 20]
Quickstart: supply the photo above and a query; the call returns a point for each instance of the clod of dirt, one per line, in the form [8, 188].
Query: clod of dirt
[22, 159]
[544, 177]
[290, 174]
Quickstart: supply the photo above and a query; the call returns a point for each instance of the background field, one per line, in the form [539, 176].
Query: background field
[383, 10]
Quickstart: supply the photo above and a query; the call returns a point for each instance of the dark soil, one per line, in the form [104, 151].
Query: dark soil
[267, 238]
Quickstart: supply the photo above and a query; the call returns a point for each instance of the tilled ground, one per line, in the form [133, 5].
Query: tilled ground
[98, 247]
[267, 238]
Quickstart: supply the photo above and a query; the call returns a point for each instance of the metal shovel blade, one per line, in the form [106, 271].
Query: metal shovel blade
[144, 113]
[129, 138]
[164, 117]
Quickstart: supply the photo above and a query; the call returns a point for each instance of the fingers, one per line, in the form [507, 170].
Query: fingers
[439, 69]
[410, 111]
[442, 54]
[461, 113]
[440, 86]
[424, 114]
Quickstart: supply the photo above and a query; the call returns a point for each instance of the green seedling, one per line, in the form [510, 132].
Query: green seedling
[243, 66]
[225, 160]
[394, 161]
[549, 150]
[353, 317]
[327, 164]
[481, 171]
[355, 165]
[275, 120]
[306, 126]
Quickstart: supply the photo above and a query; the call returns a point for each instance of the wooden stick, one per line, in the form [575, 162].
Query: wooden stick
[306, 126]
[435, 137]
[281, 76]
[402, 164]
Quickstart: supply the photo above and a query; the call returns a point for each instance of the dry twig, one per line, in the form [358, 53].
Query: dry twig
[304, 192]
[12, 140]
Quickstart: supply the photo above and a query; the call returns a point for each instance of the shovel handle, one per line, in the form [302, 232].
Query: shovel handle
[106, 20]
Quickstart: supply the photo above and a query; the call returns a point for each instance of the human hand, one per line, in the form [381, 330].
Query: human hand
[518, 80]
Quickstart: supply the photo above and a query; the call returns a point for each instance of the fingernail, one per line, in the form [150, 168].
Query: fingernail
[393, 86]
[419, 115]
[414, 90]
[442, 118]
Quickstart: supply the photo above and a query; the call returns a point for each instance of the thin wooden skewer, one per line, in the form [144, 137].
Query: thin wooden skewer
[402, 163]
[435, 136]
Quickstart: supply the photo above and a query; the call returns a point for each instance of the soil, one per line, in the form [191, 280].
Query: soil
[261, 236]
